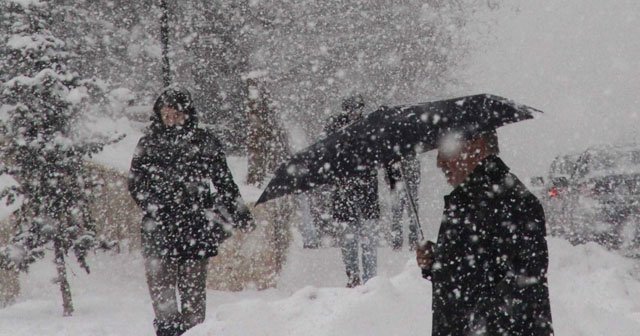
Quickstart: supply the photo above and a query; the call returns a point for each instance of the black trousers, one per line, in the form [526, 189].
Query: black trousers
[178, 293]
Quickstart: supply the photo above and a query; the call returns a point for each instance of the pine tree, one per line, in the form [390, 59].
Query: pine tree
[212, 53]
[43, 100]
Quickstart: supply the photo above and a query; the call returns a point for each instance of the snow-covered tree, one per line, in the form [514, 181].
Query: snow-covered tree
[391, 52]
[43, 99]
[211, 54]
[117, 41]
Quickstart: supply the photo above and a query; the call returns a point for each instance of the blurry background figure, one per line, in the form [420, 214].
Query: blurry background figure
[355, 206]
[403, 177]
[267, 144]
[322, 215]
[317, 227]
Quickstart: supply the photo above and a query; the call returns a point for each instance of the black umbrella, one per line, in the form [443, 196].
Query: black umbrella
[388, 134]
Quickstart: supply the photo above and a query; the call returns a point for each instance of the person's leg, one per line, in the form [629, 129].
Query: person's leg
[161, 278]
[397, 208]
[349, 249]
[193, 294]
[321, 212]
[369, 244]
[308, 229]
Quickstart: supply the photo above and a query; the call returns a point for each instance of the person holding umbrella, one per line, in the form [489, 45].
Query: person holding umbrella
[184, 220]
[489, 265]
[355, 206]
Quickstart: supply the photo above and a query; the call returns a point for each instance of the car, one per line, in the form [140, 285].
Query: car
[594, 195]
[555, 193]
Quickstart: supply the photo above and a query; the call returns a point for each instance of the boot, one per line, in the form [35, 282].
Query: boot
[353, 280]
[396, 245]
[173, 327]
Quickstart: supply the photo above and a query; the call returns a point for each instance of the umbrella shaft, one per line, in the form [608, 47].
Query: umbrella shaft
[412, 201]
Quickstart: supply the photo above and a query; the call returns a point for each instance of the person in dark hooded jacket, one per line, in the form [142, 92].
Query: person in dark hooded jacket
[489, 265]
[173, 169]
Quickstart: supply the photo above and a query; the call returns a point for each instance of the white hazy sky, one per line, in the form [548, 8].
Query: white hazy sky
[577, 60]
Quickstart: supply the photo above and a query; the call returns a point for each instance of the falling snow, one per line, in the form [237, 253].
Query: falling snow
[265, 76]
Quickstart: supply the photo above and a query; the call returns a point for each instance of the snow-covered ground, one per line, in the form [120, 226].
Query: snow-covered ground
[593, 293]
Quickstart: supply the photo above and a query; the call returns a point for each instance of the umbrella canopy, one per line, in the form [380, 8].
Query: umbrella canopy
[386, 135]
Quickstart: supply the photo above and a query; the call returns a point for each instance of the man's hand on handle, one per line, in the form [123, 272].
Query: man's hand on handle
[424, 257]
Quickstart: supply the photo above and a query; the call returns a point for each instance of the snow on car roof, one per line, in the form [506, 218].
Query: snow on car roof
[609, 160]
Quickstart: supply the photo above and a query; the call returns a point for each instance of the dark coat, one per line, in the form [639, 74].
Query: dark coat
[491, 258]
[170, 177]
[354, 197]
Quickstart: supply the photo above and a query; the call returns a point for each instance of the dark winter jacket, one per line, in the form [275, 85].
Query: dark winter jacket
[170, 179]
[410, 166]
[354, 197]
[491, 257]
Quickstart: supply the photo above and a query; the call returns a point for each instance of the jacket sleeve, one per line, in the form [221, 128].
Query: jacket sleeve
[227, 193]
[139, 179]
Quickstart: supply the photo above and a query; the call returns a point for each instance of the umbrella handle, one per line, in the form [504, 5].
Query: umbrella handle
[412, 201]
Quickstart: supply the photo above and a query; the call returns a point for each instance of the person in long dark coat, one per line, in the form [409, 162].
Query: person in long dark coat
[185, 220]
[489, 265]
[355, 207]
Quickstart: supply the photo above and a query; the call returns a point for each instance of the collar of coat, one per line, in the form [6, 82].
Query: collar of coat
[487, 177]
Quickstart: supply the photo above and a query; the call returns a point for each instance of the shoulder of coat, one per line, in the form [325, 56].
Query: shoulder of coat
[516, 192]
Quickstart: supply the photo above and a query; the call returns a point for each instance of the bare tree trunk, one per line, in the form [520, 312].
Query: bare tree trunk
[164, 39]
[67, 303]
[9, 279]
